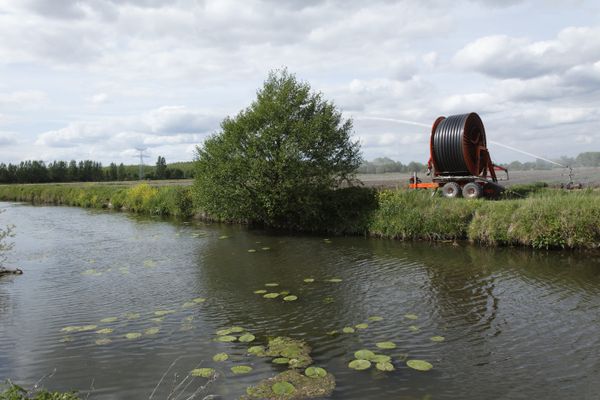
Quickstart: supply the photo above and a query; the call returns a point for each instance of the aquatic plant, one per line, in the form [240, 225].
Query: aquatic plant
[11, 391]
[296, 351]
[220, 357]
[241, 369]
[305, 387]
[203, 372]
[419, 365]
[386, 345]
[359, 365]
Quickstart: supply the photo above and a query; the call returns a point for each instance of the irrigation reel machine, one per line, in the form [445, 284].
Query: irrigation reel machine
[460, 163]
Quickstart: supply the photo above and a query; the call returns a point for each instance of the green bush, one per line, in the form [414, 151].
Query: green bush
[276, 162]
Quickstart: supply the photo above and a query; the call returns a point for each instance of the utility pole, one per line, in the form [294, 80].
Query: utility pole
[141, 156]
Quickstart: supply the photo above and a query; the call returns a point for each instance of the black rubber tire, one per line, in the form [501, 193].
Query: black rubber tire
[451, 190]
[472, 190]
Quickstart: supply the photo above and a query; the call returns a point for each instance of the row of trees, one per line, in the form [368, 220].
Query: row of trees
[83, 171]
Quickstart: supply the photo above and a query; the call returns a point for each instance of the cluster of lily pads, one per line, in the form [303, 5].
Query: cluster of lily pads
[158, 317]
[122, 270]
[285, 295]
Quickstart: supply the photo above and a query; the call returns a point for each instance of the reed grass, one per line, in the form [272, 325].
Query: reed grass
[547, 218]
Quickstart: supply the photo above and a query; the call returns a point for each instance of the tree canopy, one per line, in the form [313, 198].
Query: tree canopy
[275, 161]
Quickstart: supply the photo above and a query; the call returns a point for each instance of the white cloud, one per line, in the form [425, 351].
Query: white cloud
[7, 138]
[502, 56]
[165, 125]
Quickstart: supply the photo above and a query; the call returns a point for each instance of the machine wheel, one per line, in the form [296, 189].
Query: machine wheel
[472, 190]
[451, 189]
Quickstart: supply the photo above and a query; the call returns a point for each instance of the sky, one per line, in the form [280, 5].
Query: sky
[97, 79]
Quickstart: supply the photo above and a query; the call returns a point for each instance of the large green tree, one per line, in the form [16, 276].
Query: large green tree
[277, 161]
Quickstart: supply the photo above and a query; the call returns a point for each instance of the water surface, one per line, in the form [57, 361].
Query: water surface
[518, 324]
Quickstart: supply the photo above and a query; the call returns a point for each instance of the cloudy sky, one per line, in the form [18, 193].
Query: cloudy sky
[95, 79]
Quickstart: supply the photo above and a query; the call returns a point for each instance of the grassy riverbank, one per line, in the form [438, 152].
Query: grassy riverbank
[545, 219]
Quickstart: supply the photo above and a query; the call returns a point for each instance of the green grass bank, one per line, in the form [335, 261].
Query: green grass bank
[546, 218]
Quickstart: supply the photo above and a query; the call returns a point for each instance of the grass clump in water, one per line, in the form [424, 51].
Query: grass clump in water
[11, 391]
[296, 351]
[304, 387]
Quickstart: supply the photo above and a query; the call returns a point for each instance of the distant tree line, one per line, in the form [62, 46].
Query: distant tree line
[32, 171]
[385, 164]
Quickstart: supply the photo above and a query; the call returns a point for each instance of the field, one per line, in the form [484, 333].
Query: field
[588, 176]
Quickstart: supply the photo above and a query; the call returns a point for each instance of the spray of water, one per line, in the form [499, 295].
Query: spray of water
[400, 121]
[526, 153]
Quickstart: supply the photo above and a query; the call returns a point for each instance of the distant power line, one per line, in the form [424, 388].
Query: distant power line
[141, 156]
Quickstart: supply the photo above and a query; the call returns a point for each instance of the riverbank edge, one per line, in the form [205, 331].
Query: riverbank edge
[546, 220]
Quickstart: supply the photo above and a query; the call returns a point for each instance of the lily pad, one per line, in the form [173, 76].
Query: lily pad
[149, 263]
[364, 354]
[260, 291]
[223, 237]
[271, 295]
[411, 316]
[236, 329]
[315, 372]
[419, 365]
[151, 331]
[380, 358]
[284, 292]
[133, 335]
[265, 248]
[272, 284]
[361, 326]
[132, 315]
[157, 320]
[104, 331]
[437, 338]
[241, 369]
[226, 338]
[70, 329]
[281, 360]
[86, 328]
[220, 357]
[203, 372]
[348, 329]
[257, 350]
[251, 250]
[188, 304]
[103, 341]
[91, 272]
[375, 318]
[223, 332]
[384, 366]
[414, 328]
[328, 299]
[334, 280]
[333, 332]
[247, 338]
[290, 298]
[309, 280]
[386, 345]
[66, 339]
[162, 313]
[360, 365]
[199, 300]
[283, 388]
[108, 320]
